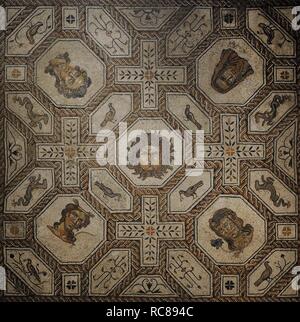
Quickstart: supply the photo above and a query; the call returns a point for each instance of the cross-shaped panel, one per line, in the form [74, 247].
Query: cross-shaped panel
[149, 75]
[150, 231]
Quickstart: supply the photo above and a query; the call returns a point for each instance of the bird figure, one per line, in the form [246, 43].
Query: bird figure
[190, 117]
[107, 191]
[191, 191]
[109, 116]
[265, 275]
[35, 118]
[269, 31]
[32, 271]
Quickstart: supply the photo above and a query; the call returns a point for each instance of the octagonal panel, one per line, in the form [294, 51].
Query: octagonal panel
[148, 175]
[70, 229]
[69, 73]
[230, 231]
[230, 71]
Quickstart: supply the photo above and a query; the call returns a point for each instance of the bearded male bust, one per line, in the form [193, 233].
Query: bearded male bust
[71, 81]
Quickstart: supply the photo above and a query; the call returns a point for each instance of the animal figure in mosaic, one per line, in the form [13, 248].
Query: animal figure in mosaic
[268, 184]
[109, 116]
[271, 271]
[269, 116]
[33, 270]
[35, 118]
[107, 192]
[34, 184]
[33, 29]
[270, 30]
[265, 275]
[190, 117]
[28, 268]
[191, 191]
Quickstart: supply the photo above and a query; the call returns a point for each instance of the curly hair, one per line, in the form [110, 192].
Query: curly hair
[60, 84]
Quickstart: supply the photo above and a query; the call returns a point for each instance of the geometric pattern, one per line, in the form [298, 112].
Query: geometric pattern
[150, 231]
[69, 152]
[149, 75]
[231, 151]
[74, 230]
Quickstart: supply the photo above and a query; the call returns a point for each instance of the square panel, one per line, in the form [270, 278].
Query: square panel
[70, 18]
[71, 284]
[285, 231]
[230, 285]
[14, 229]
[16, 73]
[285, 74]
[228, 18]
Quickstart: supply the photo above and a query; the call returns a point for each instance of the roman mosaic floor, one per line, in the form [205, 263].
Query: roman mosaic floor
[71, 229]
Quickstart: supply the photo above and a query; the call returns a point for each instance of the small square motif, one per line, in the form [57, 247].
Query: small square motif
[230, 285]
[16, 73]
[14, 229]
[284, 74]
[228, 18]
[71, 284]
[286, 231]
[70, 18]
